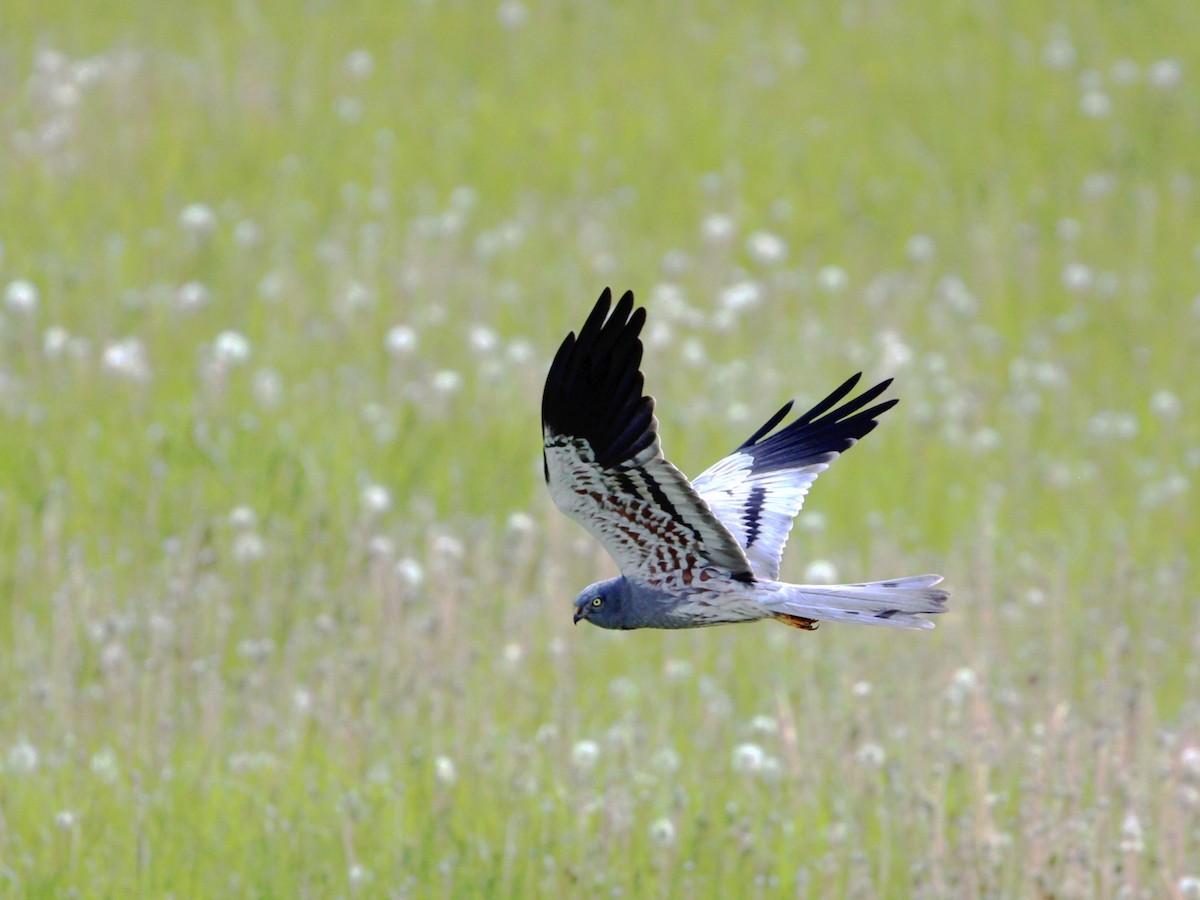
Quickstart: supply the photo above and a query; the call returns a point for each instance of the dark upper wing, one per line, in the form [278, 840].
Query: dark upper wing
[758, 489]
[604, 463]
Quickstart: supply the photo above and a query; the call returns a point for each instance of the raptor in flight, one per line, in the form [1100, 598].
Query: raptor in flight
[705, 552]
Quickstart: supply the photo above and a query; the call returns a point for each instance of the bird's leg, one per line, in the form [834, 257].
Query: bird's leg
[797, 621]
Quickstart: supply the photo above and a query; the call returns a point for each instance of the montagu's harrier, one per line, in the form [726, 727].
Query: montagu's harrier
[705, 552]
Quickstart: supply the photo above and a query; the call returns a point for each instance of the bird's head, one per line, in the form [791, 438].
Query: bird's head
[603, 603]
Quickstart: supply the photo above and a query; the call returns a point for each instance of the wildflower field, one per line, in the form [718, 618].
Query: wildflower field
[285, 609]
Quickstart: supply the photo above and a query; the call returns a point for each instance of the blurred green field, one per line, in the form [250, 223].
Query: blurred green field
[284, 606]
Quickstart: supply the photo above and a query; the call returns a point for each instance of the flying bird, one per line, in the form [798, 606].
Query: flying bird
[704, 552]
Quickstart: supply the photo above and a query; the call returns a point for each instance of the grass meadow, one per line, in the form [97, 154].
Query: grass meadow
[284, 604]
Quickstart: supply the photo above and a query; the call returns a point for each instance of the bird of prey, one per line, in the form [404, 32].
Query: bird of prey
[705, 552]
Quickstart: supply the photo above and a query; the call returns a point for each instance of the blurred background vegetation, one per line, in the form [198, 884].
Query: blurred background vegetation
[285, 610]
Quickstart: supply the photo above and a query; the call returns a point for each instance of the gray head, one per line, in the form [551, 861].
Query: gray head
[604, 602]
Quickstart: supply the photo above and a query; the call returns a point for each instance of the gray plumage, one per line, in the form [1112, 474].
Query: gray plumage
[705, 552]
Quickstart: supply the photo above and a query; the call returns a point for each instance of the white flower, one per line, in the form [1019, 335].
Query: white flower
[717, 228]
[272, 286]
[352, 297]
[256, 651]
[920, 248]
[482, 339]
[662, 832]
[624, 687]
[1165, 74]
[1113, 424]
[1189, 758]
[445, 771]
[512, 13]
[833, 279]
[820, 571]
[1095, 105]
[764, 724]
[1059, 53]
[1077, 278]
[104, 765]
[267, 385]
[742, 295]
[231, 348]
[463, 197]
[198, 219]
[380, 547]
[348, 109]
[55, 341]
[748, 758]
[21, 297]
[520, 350]
[448, 548]
[246, 233]
[812, 520]
[966, 679]
[665, 760]
[447, 381]
[985, 440]
[23, 757]
[1099, 184]
[248, 546]
[513, 653]
[359, 64]
[1131, 834]
[375, 499]
[400, 341]
[1166, 405]
[126, 358]
[870, 755]
[65, 819]
[766, 248]
[302, 700]
[771, 770]
[677, 669]
[962, 685]
[191, 296]
[1068, 229]
[694, 352]
[409, 571]
[675, 263]
[954, 292]
[584, 755]
[520, 523]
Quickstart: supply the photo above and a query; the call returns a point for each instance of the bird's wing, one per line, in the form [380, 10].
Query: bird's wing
[758, 489]
[604, 463]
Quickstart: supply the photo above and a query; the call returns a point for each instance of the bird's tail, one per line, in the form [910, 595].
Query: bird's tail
[897, 603]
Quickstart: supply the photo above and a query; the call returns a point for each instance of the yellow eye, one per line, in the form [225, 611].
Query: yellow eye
[597, 601]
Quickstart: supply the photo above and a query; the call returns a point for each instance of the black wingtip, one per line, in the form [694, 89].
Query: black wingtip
[771, 423]
[594, 386]
[820, 433]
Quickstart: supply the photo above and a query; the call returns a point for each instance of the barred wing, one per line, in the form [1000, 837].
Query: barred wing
[604, 463]
[758, 489]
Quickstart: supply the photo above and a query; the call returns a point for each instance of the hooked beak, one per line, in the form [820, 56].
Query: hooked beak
[581, 612]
